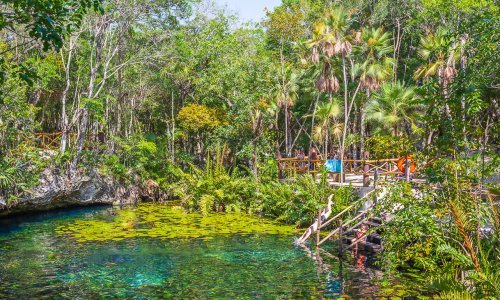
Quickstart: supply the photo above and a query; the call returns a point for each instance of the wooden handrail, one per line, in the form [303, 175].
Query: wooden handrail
[295, 159]
[345, 210]
[338, 229]
[52, 140]
[293, 165]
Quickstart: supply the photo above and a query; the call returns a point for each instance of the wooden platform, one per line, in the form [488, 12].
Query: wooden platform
[358, 173]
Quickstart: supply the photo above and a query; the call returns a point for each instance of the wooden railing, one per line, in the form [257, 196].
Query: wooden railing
[48, 140]
[383, 166]
[290, 167]
[52, 140]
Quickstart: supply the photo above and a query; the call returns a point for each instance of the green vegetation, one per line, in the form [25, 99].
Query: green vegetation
[166, 222]
[218, 189]
[449, 233]
[184, 95]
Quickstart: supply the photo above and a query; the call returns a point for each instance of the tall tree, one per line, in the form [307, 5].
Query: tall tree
[375, 67]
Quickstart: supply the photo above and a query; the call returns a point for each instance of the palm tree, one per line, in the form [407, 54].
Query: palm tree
[441, 56]
[375, 45]
[286, 93]
[374, 48]
[392, 105]
[327, 114]
[329, 40]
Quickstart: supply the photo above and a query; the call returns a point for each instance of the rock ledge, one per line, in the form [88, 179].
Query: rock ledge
[57, 190]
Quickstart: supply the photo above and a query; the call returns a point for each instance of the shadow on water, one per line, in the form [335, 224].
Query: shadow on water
[15, 222]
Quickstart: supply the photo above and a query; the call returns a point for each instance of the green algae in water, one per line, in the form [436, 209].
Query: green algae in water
[251, 262]
[167, 222]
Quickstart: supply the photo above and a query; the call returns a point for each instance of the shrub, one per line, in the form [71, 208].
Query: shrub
[297, 202]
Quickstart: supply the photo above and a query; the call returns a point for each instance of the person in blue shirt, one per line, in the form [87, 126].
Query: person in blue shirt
[333, 164]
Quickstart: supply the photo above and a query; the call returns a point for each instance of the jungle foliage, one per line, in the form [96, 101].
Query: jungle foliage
[181, 93]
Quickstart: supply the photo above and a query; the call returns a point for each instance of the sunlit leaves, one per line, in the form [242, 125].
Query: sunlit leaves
[285, 24]
[196, 117]
[392, 105]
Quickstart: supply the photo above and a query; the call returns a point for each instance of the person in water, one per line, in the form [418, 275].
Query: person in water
[360, 235]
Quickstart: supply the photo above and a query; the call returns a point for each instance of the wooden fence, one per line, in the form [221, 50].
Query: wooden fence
[48, 140]
[52, 141]
[290, 167]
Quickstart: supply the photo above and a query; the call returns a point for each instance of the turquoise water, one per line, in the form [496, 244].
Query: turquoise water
[37, 261]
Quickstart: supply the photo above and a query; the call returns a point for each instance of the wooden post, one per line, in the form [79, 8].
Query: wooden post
[366, 170]
[318, 230]
[280, 167]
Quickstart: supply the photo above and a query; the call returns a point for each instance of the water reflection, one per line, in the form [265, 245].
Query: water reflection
[36, 262]
[350, 274]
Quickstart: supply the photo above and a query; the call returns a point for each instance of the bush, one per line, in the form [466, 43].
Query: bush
[297, 202]
[381, 146]
[223, 189]
[216, 189]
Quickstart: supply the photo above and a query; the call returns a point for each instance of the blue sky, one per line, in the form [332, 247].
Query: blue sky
[249, 10]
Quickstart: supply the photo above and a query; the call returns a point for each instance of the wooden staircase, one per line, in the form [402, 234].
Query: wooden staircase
[355, 226]
[371, 241]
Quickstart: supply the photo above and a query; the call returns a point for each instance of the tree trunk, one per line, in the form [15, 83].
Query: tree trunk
[355, 125]
[81, 139]
[172, 145]
[312, 119]
[346, 119]
[397, 45]
[95, 62]
[362, 123]
[64, 95]
[463, 103]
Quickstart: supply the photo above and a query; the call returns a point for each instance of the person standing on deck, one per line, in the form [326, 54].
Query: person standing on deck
[301, 157]
[313, 155]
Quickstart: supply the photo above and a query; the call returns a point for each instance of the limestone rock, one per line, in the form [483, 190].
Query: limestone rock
[57, 190]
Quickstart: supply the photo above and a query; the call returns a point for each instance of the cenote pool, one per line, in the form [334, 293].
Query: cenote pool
[152, 252]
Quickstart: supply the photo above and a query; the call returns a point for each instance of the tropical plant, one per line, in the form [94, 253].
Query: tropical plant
[441, 55]
[375, 67]
[215, 188]
[327, 115]
[298, 202]
[392, 106]
[448, 232]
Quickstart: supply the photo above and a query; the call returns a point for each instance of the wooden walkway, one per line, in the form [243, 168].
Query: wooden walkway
[356, 172]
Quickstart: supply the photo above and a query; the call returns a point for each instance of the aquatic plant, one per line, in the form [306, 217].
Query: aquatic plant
[165, 222]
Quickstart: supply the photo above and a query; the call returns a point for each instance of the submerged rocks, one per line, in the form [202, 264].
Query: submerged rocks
[57, 190]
